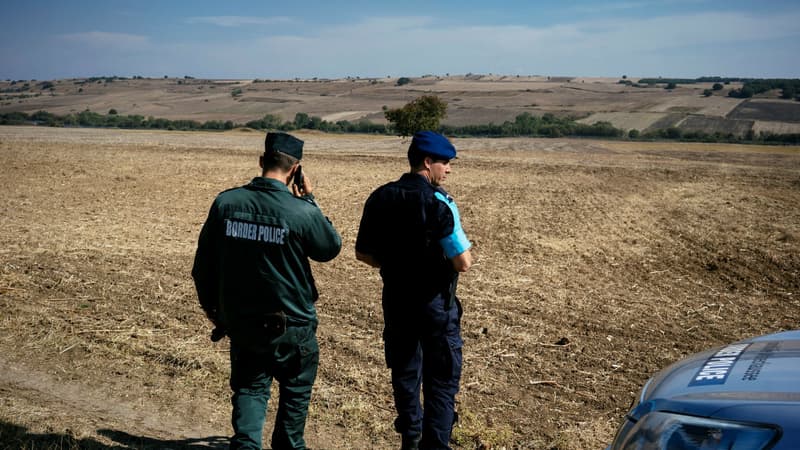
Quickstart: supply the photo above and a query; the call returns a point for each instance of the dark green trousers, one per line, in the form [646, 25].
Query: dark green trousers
[292, 359]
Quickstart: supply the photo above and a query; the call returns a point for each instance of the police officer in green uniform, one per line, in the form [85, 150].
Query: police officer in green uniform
[254, 282]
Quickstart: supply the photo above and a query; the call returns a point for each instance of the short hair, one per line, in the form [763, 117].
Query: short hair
[278, 160]
[416, 158]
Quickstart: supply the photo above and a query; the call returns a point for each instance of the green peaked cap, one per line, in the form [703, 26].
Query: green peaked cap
[284, 143]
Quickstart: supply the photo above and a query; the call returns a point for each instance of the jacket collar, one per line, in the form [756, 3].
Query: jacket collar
[415, 178]
[269, 184]
[420, 180]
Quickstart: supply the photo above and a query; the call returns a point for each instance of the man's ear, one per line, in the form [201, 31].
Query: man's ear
[428, 162]
[261, 161]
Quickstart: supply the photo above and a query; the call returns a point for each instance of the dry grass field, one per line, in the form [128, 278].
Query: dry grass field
[597, 263]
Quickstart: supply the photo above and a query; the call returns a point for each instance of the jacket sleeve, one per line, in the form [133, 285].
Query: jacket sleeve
[322, 241]
[366, 238]
[205, 269]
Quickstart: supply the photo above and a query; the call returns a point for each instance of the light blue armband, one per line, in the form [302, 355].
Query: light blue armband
[456, 242]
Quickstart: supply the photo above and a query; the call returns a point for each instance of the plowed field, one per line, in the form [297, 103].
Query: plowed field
[597, 263]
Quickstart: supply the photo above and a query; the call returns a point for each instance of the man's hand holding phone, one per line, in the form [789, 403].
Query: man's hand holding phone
[300, 184]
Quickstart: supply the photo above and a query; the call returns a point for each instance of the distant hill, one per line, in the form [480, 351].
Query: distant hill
[472, 100]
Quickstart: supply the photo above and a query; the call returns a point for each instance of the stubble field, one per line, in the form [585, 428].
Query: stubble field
[597, 263]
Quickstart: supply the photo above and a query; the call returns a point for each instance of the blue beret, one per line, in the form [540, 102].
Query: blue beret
[284, 143]
[432, 144]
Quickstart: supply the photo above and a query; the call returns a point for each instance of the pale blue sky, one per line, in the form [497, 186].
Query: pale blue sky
[48, 39]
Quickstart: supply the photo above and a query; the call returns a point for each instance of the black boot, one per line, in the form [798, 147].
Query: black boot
[410, 443]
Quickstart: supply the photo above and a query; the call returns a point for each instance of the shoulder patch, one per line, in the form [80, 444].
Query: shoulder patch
[456, 242]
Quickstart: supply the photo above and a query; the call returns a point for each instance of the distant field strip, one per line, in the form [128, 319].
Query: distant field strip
[625, 121]
[345, 115]
[767, 110]
[709, 124]
[711, 106]
[776, 127]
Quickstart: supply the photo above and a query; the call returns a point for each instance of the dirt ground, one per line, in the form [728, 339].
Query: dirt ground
[597, 263]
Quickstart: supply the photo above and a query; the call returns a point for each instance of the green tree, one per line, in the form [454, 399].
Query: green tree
[301, 120]
[717, 87]
[44, 117]
[708, 92]
[424, 113]
[526, 124]
[403, 80]
[745, 92]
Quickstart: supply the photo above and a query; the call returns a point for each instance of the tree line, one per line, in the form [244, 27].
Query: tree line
[111, 120]
[674, 133]
[525, 124]
[423, 113]
[790, 87]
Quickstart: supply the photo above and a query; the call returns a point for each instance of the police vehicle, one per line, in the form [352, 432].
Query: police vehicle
[745, 395]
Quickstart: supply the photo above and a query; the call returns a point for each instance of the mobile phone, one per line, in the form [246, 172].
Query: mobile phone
[298, 178]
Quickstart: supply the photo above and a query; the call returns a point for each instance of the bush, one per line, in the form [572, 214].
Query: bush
[403, 80]
[268, 122]
[633, 134]
[745, 92]
[672, 133]
[44, 117]
[601, 129]
[13, 118]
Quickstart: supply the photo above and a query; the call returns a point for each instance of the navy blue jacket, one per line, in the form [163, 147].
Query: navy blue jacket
[412, 229]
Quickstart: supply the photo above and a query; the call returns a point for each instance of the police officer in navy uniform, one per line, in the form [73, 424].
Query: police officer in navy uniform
[254, 282]
[411, 230]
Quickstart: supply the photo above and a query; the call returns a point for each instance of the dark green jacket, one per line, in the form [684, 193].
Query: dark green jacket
[253, 256]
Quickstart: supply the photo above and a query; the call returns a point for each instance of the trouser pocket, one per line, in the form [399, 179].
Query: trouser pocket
[442, 356]
[306, 359]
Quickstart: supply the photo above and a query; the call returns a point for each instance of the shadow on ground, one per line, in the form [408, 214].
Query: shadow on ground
[17, 437]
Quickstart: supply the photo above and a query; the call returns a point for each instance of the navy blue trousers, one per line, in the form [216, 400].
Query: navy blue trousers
[423, 350]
